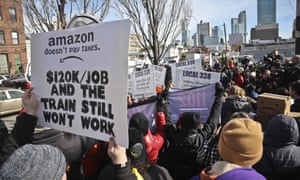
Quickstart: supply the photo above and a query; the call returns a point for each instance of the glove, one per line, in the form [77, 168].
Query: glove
[160, 105]
[219, 89]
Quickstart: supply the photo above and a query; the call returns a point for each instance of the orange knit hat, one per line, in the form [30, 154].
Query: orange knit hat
[241, 142]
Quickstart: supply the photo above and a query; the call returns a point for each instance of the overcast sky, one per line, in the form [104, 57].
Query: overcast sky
[218, 12]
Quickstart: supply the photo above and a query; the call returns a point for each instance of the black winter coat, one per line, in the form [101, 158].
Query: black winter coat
[281, 155]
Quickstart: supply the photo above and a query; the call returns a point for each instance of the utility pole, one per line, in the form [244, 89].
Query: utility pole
[297, 29]
[226, 35]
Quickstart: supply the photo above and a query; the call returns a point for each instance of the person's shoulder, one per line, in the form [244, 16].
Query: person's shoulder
[158, 171]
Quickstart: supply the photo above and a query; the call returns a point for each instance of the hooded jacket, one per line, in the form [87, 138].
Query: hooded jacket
[188, 140]
[281, 155]
[234, 104]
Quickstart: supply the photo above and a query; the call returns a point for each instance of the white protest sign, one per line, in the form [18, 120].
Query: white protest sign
[143, 83]
[190, 78]
[187, 64]
[159, 74]
[129, 84]
[80, 76]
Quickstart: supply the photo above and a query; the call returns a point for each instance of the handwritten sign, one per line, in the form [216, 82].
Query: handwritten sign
[80, 75]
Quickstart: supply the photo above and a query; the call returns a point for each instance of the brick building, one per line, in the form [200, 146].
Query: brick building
[13, 58]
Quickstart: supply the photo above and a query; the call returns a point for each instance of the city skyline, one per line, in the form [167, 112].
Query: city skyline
[220, 11]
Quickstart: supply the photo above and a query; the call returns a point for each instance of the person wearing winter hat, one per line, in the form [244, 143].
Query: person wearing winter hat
[186, 139]
[154, 141]
[131, 163]
[240, 146]
[34, 162]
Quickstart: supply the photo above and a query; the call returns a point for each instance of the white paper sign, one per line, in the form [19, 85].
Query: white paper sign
[187, 64]
[129, 84]
[190, 78]
[143, 83]
[80, 76]
[159, 74]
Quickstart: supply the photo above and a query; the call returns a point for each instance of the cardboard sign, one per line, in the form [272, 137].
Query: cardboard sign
[80, 76]
[191, 78]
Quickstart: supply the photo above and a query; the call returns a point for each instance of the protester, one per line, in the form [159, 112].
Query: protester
[235, 102]
[281, 154]
[295, 93]
[238, 77]
[186, 139]
[211, 147]
[22, 131]
[37, 162]
[153, 141]
[22, 160]
[132, 163]
[240, 146]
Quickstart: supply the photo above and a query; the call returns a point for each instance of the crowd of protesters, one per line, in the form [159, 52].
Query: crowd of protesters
[236, 148]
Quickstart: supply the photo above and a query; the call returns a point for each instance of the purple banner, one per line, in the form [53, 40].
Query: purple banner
[192, 100]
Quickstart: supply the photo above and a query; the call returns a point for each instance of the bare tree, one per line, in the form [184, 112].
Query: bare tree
[49, 15]
[156, 23]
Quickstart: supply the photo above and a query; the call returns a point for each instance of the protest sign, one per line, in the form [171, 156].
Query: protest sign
[143, 83]
[198, 99]
[192, 100]
[80, 76]
[187, 64]
[159, 74]
[129, 84]
[192, 78]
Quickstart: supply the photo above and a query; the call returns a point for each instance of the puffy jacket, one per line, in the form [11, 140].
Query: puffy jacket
[281, 155]
[155, 141]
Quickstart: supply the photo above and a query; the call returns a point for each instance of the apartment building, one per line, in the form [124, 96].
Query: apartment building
[13, 58]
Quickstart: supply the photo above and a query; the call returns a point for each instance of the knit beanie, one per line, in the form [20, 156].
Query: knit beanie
[241, 142]
[139, 121]
[36, 162]
[189, 120]
[137, 148]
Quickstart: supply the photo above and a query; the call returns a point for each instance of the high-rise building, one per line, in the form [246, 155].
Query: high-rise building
[13, 58]
[185, 33]
[238, 29]
[266, 12]
[267, 28]
[203, 30]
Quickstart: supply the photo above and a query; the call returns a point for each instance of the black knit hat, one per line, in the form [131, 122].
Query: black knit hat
[137, 148]
[189, 120]
[139, 121]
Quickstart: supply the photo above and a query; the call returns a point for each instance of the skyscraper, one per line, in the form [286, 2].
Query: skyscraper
[203, 30]
[267, 28]
[238, 29]
[266, 12]
[185, 33]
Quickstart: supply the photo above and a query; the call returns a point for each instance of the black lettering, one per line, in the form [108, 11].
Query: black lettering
[93, 91]
[63, 90]
[97, 108]
[59, 104]
[95, 124]
[71, 39]
[59, 118]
